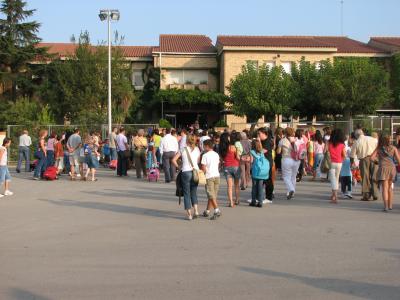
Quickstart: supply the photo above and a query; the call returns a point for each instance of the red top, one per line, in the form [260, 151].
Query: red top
[230, 159]
[336, 153]
[58, 148]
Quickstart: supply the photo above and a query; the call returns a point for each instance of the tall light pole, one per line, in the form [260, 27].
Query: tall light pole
[109, 15]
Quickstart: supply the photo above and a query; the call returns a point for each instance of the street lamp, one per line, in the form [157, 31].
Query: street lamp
[109, 15]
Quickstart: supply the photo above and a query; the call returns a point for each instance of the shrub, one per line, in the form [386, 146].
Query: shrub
[164, 123]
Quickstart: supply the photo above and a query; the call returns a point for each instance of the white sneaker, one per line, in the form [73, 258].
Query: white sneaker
[1, 195]
[248, 200]
[266, 201]
[8, 193]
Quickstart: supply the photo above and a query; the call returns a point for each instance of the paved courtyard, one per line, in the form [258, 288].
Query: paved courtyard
[127, 239]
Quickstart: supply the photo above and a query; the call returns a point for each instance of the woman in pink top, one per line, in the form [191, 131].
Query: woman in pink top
[337, 152]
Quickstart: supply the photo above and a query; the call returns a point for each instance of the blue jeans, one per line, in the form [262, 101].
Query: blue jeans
[257, 191]
[24, 154]
[113, 153]
[189, 190]
[4, 174]
[50, 157]
[41, 165]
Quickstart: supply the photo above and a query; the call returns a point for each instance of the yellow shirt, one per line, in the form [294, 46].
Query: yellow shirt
[140, 142]
[157, 141]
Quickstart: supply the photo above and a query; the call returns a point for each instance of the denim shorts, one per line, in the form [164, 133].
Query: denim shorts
[232, 172]
[4, 174]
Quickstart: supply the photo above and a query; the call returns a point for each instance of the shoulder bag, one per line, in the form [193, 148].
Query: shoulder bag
[198, 175]
[326, 162]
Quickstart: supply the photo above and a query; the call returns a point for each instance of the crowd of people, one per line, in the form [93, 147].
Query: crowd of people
[245, 159]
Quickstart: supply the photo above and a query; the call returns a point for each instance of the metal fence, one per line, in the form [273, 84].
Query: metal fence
[14, 131]
[374, 123]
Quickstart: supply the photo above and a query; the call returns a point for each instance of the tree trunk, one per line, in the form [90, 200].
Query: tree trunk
[347, 125]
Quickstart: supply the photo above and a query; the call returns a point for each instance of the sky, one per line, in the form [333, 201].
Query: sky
[142, 21]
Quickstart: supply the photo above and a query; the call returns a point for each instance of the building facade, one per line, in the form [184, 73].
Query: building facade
[194, 62]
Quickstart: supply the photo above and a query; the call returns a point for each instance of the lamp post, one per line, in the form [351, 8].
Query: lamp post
[109, 15]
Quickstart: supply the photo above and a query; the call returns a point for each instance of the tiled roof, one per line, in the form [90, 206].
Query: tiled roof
[68, 49]
[137, 51]
[343, 44]
[347, 45]
[392, 41]
[185, 43]
[60, 49]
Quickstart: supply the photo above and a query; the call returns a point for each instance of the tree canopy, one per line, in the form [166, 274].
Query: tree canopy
[18, 44]
[351, 86]
[76, 89]
[262, 91]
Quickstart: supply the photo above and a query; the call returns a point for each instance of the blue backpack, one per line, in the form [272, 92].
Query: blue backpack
[260, 167]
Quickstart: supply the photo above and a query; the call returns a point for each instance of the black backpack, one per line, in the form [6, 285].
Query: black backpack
[179, 189]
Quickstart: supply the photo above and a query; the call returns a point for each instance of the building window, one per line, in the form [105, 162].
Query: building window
[270, 64]
[137, 79]
[187, 76]
[195, 76]
[252, 64]
[287, 67]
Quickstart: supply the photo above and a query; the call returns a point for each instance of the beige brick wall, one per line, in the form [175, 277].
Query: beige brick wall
[233, 61]
[186, 61]
[140, 65]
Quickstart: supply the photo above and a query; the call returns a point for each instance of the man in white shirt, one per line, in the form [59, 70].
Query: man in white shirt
[362, 149]
[168, 148]
[210, 165]
[122, 146]
[25, 143]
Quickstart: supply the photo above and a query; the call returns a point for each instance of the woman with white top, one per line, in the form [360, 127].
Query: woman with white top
[290, 166]
[4, 173]
[190, 159]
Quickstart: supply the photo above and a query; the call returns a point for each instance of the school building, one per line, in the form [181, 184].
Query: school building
[195, 62]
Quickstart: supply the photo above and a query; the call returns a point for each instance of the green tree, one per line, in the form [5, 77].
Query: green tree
[262, 91]
[395, 79]
[351, 86]
[25, 111]
[18, 44]
[77, 89]
[307, 77]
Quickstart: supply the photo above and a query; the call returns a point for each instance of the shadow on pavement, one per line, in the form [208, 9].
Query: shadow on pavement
[349, 287]
[117, 208]
[20, 294]
[394, 252]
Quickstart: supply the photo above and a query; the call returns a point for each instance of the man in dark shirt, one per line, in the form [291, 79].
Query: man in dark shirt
[267, 143]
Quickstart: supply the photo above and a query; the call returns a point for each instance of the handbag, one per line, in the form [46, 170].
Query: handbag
[326, 162]
[198, 175]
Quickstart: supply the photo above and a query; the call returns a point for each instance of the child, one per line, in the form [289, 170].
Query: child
[210, 166]
[259, 173]
[346, 175]
[59, 155]
[4, 173]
